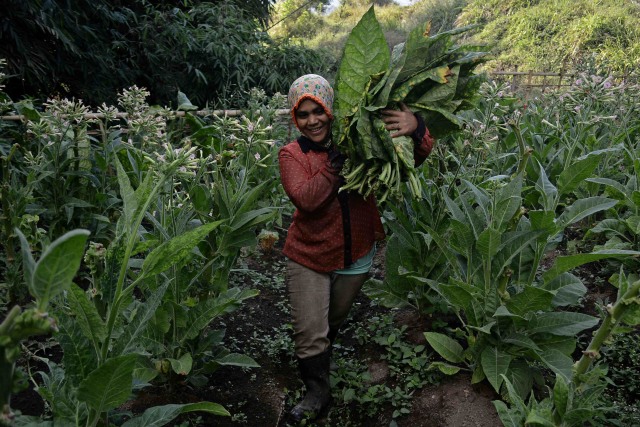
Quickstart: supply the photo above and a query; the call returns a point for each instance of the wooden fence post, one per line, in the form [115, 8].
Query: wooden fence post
[528, 89]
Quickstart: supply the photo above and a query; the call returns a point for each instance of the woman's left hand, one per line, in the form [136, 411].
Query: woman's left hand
[400, 122]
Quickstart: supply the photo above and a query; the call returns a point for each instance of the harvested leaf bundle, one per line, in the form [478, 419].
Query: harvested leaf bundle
[432, 75]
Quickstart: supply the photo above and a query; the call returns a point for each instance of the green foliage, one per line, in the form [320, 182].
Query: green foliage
[51, 275]
[407, 364]
[215, 52]
[431, 75]
[620, 355]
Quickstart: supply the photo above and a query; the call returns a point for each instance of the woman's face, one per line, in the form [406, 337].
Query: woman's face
[313, 121]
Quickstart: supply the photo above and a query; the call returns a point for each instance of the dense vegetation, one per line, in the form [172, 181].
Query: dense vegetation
[216, 51]
[121, 231]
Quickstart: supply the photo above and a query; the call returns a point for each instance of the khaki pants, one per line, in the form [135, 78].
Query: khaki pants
[320, 302]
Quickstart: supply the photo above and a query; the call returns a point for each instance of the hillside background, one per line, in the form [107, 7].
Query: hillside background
[218, 51]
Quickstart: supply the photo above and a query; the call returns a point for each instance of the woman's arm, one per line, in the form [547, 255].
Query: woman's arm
[307, 192]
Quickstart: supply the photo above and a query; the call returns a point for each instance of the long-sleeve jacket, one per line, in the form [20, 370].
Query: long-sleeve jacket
[330, 230]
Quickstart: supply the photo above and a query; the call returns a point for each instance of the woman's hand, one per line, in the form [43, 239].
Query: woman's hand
[400, 122]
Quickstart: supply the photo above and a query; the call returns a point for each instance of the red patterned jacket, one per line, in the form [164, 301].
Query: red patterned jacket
[330, 230]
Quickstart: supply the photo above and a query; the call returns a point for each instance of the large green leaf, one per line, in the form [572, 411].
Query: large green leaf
[381, 292]
[488, 243]
[202, 314]
[79, 357]
[176, 251]
[365, 53]
[109, 385]
[161, 415]
[128, 341]
[566, 263]
[582, 208]
[57, 266]
[28, 263]
[446, 347]
[558, 362]
[548, 191]
[561, 323]
[234, 359]
[129, 201]
[495, 364]
[568, 289]
[183, 365]
[86, 315]
[571, 177]
[530, 300]
[508, 202]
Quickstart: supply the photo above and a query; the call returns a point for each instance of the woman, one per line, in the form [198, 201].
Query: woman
[331, 242]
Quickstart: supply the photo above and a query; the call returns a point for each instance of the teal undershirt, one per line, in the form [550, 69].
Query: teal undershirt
[362, 265]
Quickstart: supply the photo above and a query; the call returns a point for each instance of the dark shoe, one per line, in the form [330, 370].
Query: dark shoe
[315, 376]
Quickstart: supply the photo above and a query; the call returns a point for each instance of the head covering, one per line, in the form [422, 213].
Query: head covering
[314, 87]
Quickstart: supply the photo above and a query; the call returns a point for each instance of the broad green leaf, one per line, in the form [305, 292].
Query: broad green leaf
[508, 417]
[445, 368]
[129, 201]
[183, 365]
[161, 415]
[548, 191]
[513, 245]
[79, 357]
[571, 177]
[128, 340]
[530, 300]
[507, 204]
[614, 188]
[566, 263]
[202, 314]
[520, 374]
[503, 311]
[568, 289]
[109, 385]
[241, 360]
[28, 263]
[365, 53]
[495, 365]
[515, 398]
[446, 347]
[488, 243]
[86, 315]
[521, 340]
[565, 345]
[383, 294]
[184, 104]
[537, 419]
[485, 329]
[561, 395]
[542, 220]
[56, 268]
[176, 251]
[582, 208]
[558, 362]
[482, 200]
[561, 323]
[456, 295]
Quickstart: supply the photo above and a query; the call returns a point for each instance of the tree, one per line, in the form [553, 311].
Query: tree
[91, 49]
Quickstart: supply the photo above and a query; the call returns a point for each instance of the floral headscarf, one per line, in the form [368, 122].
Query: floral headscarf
[314, 87]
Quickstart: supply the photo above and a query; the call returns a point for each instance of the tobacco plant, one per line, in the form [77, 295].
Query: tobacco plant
[578, 400]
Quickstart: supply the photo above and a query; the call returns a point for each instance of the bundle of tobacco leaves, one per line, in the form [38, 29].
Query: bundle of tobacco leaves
[432, 75]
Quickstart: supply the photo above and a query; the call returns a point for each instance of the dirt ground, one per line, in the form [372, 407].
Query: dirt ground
[263, 396]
